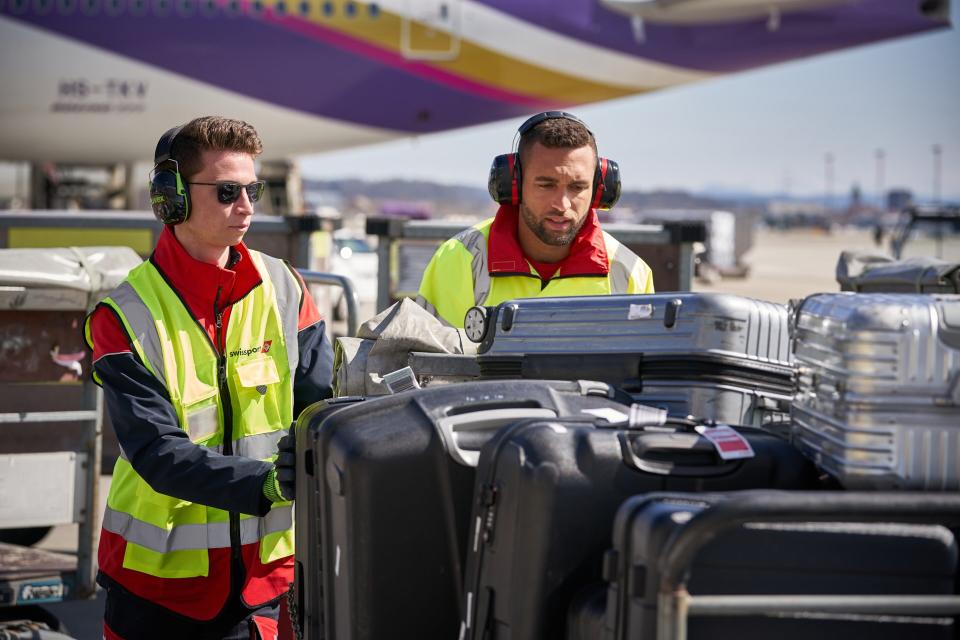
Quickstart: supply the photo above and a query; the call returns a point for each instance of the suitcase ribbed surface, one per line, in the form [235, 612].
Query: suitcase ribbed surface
[670, 323]
[878, 404]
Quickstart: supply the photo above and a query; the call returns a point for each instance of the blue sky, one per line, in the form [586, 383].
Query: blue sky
[767, 130]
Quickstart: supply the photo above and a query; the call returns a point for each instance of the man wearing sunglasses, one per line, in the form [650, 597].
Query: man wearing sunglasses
[206, 354]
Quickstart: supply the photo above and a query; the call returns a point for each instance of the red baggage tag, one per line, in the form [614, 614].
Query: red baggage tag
[730, 444]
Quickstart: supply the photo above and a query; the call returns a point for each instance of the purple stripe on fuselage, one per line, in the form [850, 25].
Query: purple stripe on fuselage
[727, 47]
[256, 59]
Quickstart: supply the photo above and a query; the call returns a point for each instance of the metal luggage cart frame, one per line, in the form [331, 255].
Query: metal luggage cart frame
[675, 604]
[32, 580]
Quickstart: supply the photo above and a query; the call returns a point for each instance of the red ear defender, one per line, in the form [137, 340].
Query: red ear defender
[606, 184]
[504, 181]
[506, 175]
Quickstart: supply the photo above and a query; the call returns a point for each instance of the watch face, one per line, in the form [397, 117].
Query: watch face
[475, 323]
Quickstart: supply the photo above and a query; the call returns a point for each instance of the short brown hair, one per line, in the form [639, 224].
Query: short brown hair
[212, 133]
[557, 133]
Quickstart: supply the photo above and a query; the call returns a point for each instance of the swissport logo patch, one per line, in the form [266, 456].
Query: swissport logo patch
[248, 351]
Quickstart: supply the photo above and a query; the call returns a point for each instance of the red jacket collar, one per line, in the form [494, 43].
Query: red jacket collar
[199, 282]
[588, 252]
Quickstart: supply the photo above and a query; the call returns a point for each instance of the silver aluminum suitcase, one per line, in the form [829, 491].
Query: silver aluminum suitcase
[715, 356]
[878, 403]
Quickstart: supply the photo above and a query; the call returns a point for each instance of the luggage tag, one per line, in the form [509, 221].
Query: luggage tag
[401, 380]
[730, 444]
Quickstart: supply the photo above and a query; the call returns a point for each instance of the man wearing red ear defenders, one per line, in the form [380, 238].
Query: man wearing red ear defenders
[545, 239]
[206, 354]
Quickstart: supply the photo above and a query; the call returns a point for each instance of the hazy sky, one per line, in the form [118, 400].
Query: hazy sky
[766, 130]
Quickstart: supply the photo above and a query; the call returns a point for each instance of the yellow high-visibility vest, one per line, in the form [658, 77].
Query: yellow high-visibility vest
[250, 385]
[458, 277]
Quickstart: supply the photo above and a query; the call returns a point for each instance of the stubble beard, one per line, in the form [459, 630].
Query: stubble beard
[552, 238]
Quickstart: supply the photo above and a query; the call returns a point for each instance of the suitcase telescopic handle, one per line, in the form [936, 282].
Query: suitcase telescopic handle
[764, 506]
[464, 434]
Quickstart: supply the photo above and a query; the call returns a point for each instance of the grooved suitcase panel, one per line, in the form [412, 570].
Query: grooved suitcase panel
[878, 402]
[728, 404]
[705, 323]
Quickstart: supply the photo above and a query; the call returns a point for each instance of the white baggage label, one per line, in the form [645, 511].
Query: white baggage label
[729, 444]
[638, 311]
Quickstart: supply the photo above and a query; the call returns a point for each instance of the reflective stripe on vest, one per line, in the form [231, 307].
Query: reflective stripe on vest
[288, 292]
[476, 243]
[211, 535]
[260, 446]
[623, 264]
[144, 329]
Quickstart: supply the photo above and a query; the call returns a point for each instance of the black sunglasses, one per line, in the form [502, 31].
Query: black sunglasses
[229, 192]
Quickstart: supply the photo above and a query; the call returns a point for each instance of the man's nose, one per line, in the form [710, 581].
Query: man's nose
[561, 202]
[244, 205]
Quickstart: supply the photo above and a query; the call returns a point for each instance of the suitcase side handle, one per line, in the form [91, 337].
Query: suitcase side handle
[464, 434]
[673, 454]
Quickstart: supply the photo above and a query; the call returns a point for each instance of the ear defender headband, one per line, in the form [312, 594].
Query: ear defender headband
[506, 174]
[169, 196]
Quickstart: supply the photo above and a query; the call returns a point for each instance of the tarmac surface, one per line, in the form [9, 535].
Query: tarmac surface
[783, 265]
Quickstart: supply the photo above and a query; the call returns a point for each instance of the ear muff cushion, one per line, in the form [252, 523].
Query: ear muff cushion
[606, 184]
[504, 181]
[168, 197]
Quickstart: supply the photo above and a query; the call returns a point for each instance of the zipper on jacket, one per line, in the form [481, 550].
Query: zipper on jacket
[227, 424]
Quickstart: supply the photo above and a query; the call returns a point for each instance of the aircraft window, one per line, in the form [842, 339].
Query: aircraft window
[351, 9]
[138, 7]
[90, 7]
[161, 6]
[18, 6]
[304, 8]
[43, 6]
[373, 9]
[444, 11]
[185, 7]
[328, 9]
[233, 7]
[280, 8]
[257, 7]
[114, 7]
[208, 7]
[66, 7]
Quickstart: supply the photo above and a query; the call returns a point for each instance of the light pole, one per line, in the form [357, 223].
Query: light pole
[828, 180]
[937, 155]
[880, 155]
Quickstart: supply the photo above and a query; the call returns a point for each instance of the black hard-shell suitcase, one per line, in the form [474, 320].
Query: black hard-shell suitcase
[394, 479]
[792, 563]
[717, 356]
[307, 584]
[547, 493]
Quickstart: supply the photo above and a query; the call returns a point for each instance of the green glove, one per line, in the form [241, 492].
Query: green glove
[280, 485]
